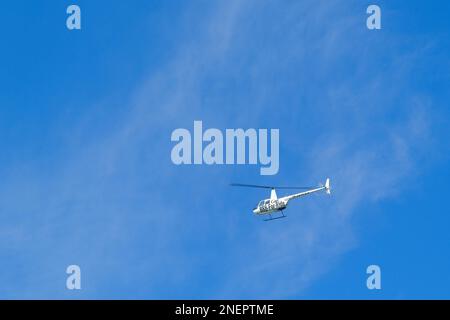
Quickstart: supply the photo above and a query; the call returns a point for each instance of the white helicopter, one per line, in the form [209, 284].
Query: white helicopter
[275, 204]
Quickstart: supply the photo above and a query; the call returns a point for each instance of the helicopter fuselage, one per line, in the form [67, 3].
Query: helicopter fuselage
[270, 205]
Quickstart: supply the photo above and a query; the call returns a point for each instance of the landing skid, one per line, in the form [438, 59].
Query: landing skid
[276, 218]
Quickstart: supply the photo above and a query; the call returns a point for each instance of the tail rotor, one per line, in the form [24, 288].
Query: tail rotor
[327, 186]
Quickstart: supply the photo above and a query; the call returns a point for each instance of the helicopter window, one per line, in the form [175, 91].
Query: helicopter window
[267, 202]
[261, 203]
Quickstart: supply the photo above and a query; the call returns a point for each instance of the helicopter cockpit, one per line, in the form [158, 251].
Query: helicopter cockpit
[263, 203]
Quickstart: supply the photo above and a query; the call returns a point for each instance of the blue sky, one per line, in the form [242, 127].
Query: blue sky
[86, 118]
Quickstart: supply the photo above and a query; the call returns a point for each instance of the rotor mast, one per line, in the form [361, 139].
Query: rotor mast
[273, 194]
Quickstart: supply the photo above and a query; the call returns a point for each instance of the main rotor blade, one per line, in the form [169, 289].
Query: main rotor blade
[250, 185]
[266, 187]
[295, 188]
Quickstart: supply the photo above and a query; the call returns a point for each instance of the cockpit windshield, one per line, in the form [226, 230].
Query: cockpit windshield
[263, 202]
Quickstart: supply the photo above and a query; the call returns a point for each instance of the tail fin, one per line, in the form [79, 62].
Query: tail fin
[327, 186]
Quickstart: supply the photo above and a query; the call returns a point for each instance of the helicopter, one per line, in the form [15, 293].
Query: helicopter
[274, 204]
